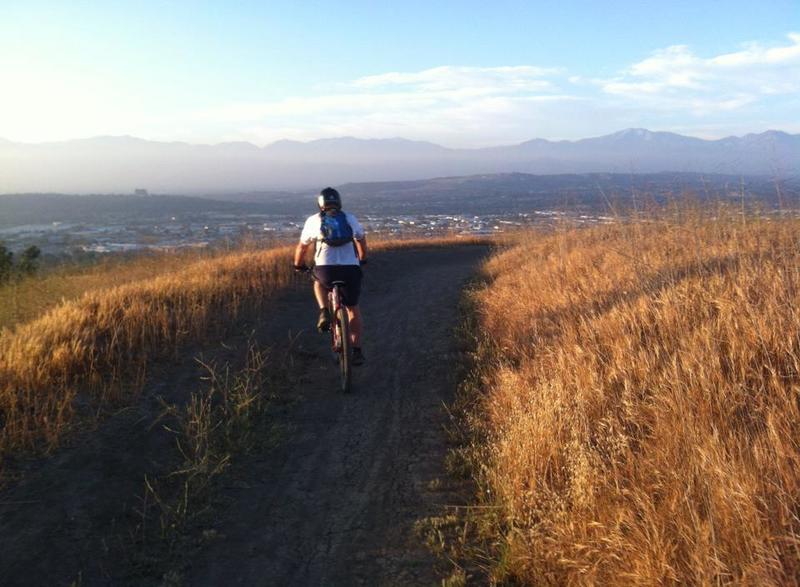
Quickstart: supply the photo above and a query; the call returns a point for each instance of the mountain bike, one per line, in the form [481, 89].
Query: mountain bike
[340, 333]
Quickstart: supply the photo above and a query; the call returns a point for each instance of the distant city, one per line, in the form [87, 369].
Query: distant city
[214, 229]
[75, 226]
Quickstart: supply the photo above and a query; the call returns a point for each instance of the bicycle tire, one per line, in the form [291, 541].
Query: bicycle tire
[345, 352]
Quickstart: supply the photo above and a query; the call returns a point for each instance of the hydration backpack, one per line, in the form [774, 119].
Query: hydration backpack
[334, 229]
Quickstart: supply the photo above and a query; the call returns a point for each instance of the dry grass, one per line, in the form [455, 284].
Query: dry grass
[97, 329]
[638, 419]
[101, 343]
[25, 300]
[218, 424]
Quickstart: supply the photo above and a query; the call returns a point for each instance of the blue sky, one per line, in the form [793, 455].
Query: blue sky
[457, 73]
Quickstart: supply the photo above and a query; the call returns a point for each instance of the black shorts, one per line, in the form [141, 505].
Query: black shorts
[349, 274]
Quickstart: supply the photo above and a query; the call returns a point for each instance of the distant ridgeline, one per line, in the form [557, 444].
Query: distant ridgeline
[118, 164]
[477, 194]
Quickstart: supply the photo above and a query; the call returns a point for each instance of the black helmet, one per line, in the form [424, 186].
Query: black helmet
[329, 198]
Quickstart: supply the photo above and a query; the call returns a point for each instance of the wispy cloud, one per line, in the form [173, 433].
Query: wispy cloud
[471, 106]
[675, 88]
[677, 78]
[461, 105]
[476, 80]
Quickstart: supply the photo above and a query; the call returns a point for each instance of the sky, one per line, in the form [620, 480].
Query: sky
[460, 74]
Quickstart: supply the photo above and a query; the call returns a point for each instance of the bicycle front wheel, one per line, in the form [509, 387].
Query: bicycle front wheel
[345, 352]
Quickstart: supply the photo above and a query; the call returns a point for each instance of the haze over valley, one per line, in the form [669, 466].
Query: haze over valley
[73, 225]
[118, 164]
[79, 196]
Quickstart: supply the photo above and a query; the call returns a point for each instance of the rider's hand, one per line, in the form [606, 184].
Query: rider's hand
[362, 261]
[300, 268]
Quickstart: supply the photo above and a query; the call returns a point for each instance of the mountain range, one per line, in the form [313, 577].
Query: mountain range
[119, 164]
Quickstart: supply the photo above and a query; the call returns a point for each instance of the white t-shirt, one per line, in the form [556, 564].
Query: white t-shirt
[325, 254]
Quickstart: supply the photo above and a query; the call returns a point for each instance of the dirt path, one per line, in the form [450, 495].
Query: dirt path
[336, 502]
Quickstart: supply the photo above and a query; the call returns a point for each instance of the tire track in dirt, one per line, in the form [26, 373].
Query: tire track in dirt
[336, 503]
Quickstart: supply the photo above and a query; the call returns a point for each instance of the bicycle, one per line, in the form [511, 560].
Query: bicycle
[340, 332]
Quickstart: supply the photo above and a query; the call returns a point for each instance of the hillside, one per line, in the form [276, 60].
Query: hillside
[224, 450]
[630, 416]
[633, 416]
[96, 348]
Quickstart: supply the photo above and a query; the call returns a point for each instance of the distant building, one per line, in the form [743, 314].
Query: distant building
[140, 192]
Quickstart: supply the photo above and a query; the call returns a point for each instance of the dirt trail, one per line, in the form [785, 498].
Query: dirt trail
[336, 504]
[336, 501]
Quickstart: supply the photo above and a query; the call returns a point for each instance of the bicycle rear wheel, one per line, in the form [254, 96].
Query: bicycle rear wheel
[345, 352]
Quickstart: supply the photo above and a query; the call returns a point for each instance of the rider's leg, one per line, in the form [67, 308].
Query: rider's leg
[321, 294]
[354, 313]
[324, 320]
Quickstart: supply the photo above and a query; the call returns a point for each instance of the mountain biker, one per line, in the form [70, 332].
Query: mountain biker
[340, 250]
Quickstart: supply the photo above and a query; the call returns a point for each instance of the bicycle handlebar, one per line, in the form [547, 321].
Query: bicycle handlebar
[307, 269]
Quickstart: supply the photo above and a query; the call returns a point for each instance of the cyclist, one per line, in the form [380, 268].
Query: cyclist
[340, 250]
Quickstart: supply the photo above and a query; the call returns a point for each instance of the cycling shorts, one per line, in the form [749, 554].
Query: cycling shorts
[349, 274]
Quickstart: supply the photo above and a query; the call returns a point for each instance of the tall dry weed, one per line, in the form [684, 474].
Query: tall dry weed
[639, 421]
[211, 429]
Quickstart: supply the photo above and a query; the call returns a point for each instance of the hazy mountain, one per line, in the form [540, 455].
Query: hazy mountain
[120, 164]
[345, 147]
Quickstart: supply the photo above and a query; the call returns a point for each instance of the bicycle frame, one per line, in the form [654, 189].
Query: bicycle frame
[334, 306]
[340, 333]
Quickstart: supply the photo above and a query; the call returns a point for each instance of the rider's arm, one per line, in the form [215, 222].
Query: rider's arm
[300, 254]
[307, 237]
[360, 237]
[361, 248]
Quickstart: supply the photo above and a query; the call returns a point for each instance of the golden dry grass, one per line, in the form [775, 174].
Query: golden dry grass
[101, 342]
[24, 300]
[638, 419]
[98, 328]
